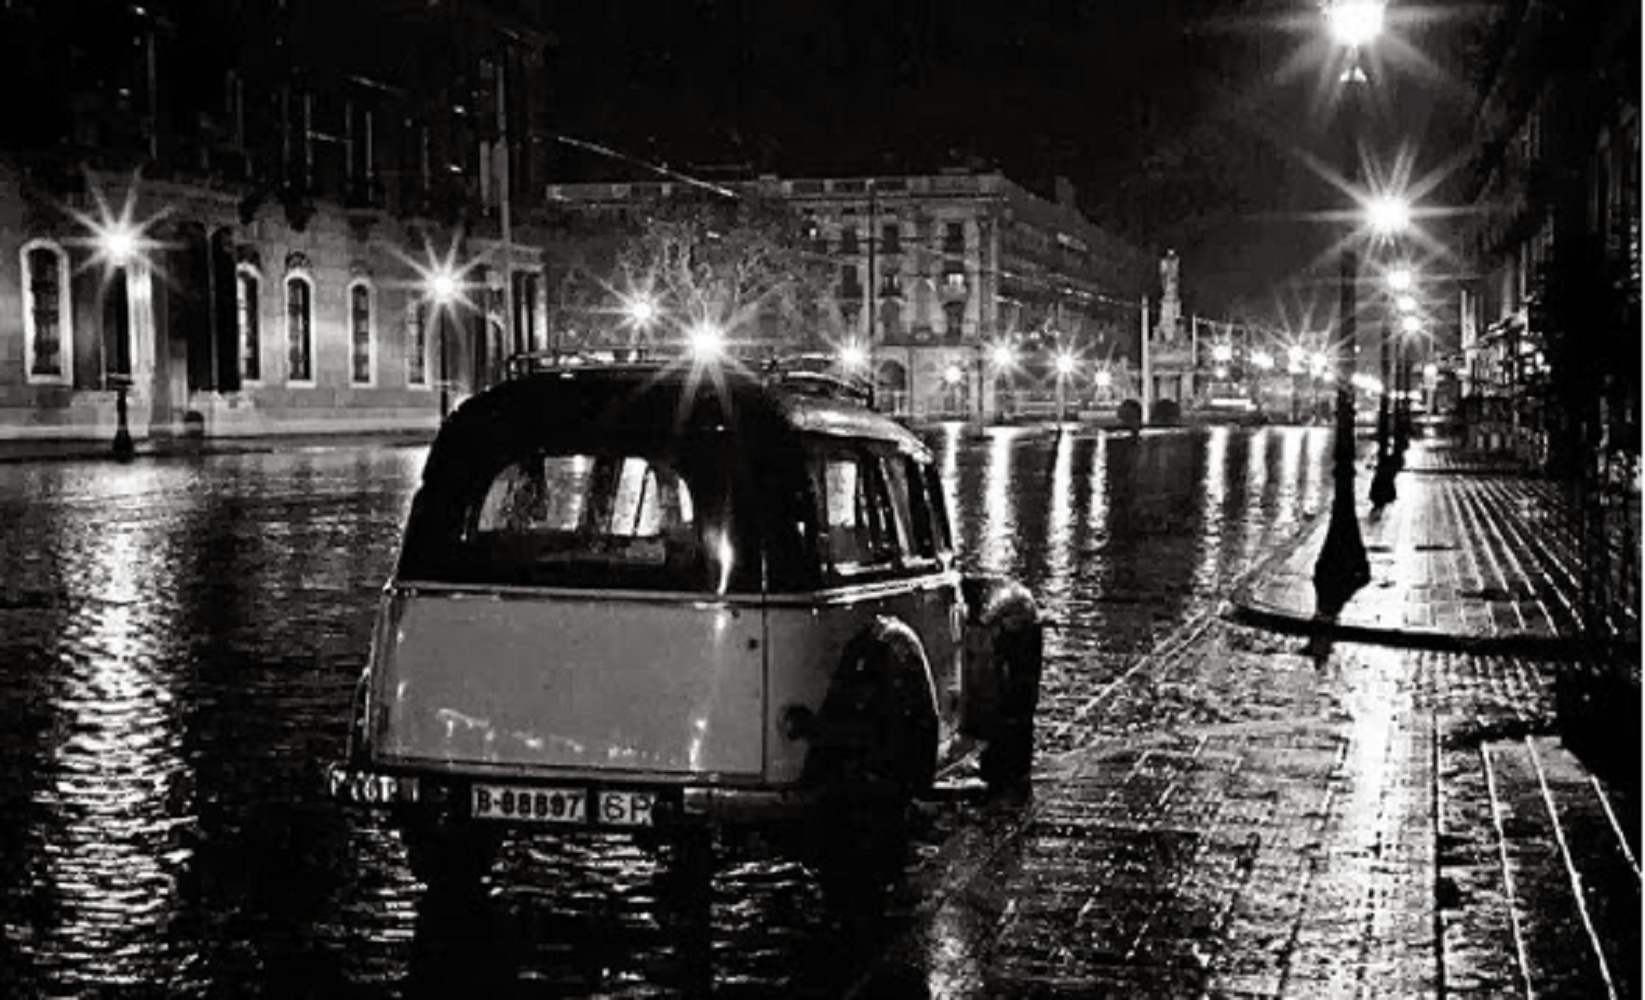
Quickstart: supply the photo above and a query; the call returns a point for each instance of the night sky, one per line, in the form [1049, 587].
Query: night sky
[1184, 123]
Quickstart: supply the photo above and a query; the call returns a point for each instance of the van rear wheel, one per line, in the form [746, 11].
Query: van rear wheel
[869, 783]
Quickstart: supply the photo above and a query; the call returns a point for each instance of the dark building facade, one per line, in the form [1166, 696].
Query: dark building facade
[291, 169]
[1550, 324]
[936, 270]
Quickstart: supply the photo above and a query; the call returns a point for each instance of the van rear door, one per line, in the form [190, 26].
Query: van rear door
[570, 603]
[558, 680]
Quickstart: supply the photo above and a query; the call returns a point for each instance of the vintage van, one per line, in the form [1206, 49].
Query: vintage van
[657, 600]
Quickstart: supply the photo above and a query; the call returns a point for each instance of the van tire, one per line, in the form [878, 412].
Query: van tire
[1008, 755]
[447, 857]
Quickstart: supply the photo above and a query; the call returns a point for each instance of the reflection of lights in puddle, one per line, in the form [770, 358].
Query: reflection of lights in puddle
[112, 857]
[999, 511]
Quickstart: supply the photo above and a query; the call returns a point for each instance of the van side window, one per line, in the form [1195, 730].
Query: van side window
[936, 502]
[912, 507]
[858, 531]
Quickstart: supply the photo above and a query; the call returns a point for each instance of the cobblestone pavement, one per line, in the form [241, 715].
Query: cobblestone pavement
[1217, 809]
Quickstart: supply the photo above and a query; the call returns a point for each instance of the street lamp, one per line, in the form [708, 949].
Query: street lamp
[118, 243]
[1342, 566]
[444, 289]
[1004, 358]
[706, 340]
[1065, 365]
[1411, 325]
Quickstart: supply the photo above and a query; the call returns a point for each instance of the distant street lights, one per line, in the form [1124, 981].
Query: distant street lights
[1342, 566]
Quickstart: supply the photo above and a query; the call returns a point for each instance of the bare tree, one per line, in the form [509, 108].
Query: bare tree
[743, 266]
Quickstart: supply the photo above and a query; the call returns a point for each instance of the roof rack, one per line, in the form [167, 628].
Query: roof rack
[815, 374]
[539, 362]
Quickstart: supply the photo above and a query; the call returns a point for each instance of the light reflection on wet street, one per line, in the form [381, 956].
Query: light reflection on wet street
[179, 641]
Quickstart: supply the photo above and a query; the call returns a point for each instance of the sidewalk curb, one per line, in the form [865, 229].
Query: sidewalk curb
[1248, 612]
[182, 448]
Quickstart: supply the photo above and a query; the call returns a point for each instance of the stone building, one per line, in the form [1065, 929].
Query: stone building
[229, 238]
[1555, 189]
[935, 270]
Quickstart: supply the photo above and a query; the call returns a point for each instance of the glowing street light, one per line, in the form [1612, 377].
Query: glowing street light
[1104, 379]
[1066, 364]
[1389, 215]
[640, 310]
[1222, 353]
[119, 243]
[1003, 356]
[853, 357]
[1406, 303]
[1353, 23]
[952, 375]
[443, 286]
[1263, 360]
[1400, 279]
[1411, 325]
[707, 340]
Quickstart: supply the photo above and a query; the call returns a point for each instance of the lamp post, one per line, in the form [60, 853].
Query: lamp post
[1390, 216]
[118, 244]
[1342, 567]
[443, 290]
[1065, 365]
[1004, 359]
[1411, 325]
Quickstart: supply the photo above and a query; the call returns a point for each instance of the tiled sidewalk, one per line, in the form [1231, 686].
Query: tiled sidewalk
[1457, 562]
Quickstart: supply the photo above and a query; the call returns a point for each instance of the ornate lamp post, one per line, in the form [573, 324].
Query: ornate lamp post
[1342, 567]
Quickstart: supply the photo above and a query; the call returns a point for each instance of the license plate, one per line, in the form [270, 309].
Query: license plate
[570, 806]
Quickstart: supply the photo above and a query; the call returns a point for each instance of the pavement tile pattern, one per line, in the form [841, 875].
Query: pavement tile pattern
[1330, 817]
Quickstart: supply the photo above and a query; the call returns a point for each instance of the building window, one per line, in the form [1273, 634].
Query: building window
[299, 329]
[953, 314]
[953, 238]
[359, 328]
[417, 342]
[848, 239]
[45, 312]
[850, 284]
[248, 324]
[954, 281]
[892, 238]
[891, 319]
[890, 283]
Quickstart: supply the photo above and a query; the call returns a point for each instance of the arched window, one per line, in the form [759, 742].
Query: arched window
[47, 353]
[248, 322]
[299, 328]
[361, 320]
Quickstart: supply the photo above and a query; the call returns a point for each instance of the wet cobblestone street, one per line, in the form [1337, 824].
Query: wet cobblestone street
[1216, 810]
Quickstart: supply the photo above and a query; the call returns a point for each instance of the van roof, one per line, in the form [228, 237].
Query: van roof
[759, 403]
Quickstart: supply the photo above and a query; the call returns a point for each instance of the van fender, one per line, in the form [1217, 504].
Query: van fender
[1004, 642]
[882, 691]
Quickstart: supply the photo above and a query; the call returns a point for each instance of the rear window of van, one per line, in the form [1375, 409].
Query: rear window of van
[628, 519]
